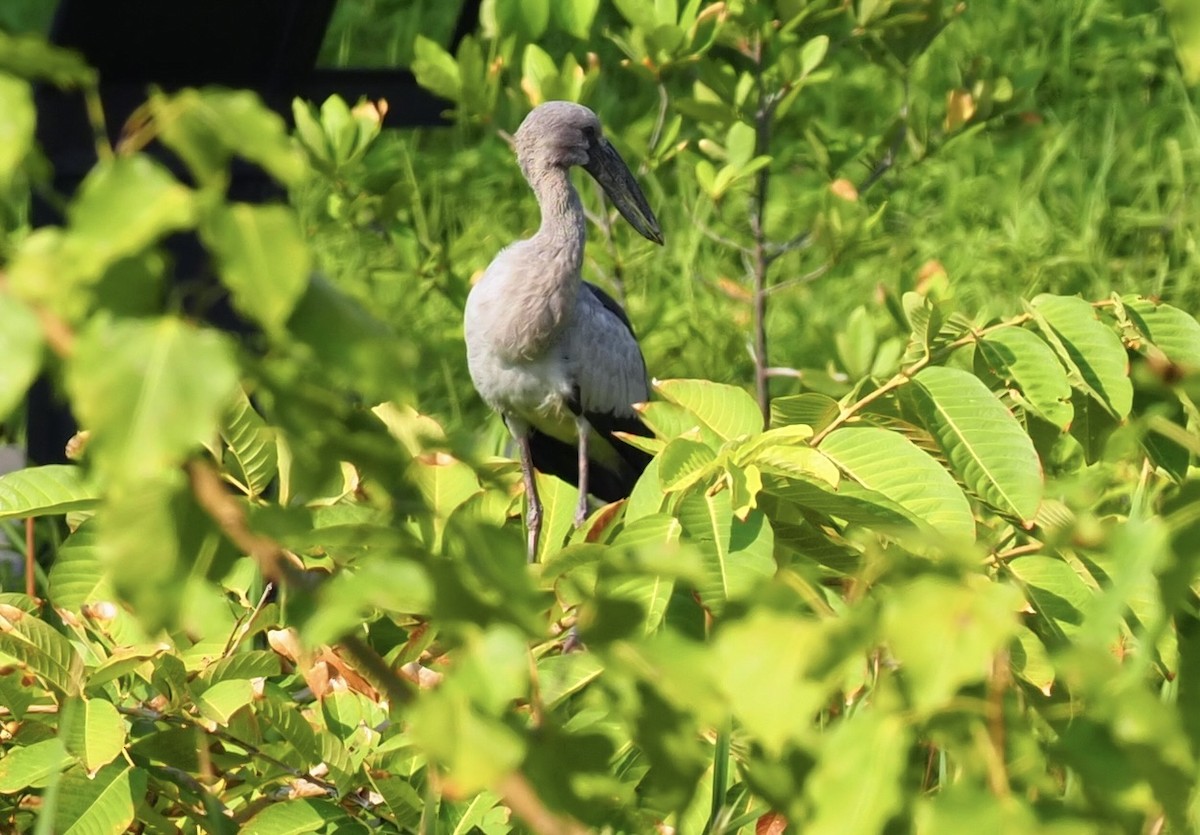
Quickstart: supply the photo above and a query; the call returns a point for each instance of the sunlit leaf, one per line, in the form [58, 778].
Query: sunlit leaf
[1019, 356]
[261, 257]
[1088, 347]
[100, 804]
[727, 410]
[46, 490]
[737, 555]
[96, 734]
[150, 391]
[890, 464]
[32, 765]
[20, 345]
[857, 784]
[986, 445]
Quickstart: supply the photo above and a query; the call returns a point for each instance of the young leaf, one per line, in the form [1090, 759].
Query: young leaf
[985, 444]
[727, 410]
[684, 462]
[1019, 356]
[892, 465]
[20, 346]
[17, 121]
[43, 491]
[262, 258]
[96, 734]
[737, 555]
[1088, 347]
[436, 69]
[252, 445]
[150, 390]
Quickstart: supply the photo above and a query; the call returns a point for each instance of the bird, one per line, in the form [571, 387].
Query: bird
[555, 355]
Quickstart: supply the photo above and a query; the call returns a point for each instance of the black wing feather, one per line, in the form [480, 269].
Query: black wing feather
[560, 459]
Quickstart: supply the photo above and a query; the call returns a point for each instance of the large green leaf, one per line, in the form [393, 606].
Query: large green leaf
[20, 345]
[207, 127]
[1088, 347]
[849, 501]
[293, 817]
[1171, 330]
[683, 463]
[737, 555]
[808, 409]
[43, 491]
[1020, 357]
[727, 410]
[291, 724]
[124, 205]
[262, 258]
[150, 391]
[32, 765]
[985, 444]
[100, 804]
[40, 649]
[894, 466]
[858, 783]
[96, 734]
[253, 447]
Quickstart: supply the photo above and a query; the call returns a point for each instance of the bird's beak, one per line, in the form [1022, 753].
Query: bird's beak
[614, 176]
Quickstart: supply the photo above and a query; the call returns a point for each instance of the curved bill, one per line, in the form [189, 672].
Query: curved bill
[614, 176]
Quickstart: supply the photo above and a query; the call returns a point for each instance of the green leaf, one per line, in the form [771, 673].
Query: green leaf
[225, 698]
[20, 339]
[560, 676]
[894, 466]
[262, 258]
[858, 782]
[559, 501]
[445, 483]
[17, 122]
[737, 555]
[1057, 593]
[150, 391]
[291, 724]
[983, 441]
[436, 69]
[252, 444]
[945, 634]
[575, 17]
[43, 651]
[1019, 356]
[124, 205]
[96, 734]
[813, 53]
[293, 817]
[29, 56]
[1171, 330]
[1090, 349]
[849, 501]
[764, 664]
[97, 805]
[684, 462]
[207, 127]
[808, 409]
[32, 765]
[727, 410]
[244, 665]
[44, 491]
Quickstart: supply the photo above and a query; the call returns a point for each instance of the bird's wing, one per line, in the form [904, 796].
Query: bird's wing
[603, 358]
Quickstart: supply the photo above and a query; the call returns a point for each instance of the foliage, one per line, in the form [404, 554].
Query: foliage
[950, 584]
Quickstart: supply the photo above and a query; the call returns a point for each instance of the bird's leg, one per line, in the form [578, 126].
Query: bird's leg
[533, 514]
[581, 510]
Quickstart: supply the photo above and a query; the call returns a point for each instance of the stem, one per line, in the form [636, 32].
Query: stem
[906, 374]
[30, 586]
[761, 260]
[720, 779]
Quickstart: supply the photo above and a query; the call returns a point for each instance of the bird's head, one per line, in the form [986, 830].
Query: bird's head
[559, 134]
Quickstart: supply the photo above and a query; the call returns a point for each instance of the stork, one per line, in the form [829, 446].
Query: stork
[555, 355]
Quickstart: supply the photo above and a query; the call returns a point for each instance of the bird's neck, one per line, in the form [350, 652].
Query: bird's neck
[560, 238]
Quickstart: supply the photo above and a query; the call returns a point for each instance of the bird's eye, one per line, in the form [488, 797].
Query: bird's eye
[589, 133]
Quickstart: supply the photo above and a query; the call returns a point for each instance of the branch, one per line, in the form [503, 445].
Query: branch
[906, 374]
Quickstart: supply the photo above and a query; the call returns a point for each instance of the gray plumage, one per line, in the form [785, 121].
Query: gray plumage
[550, 352]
